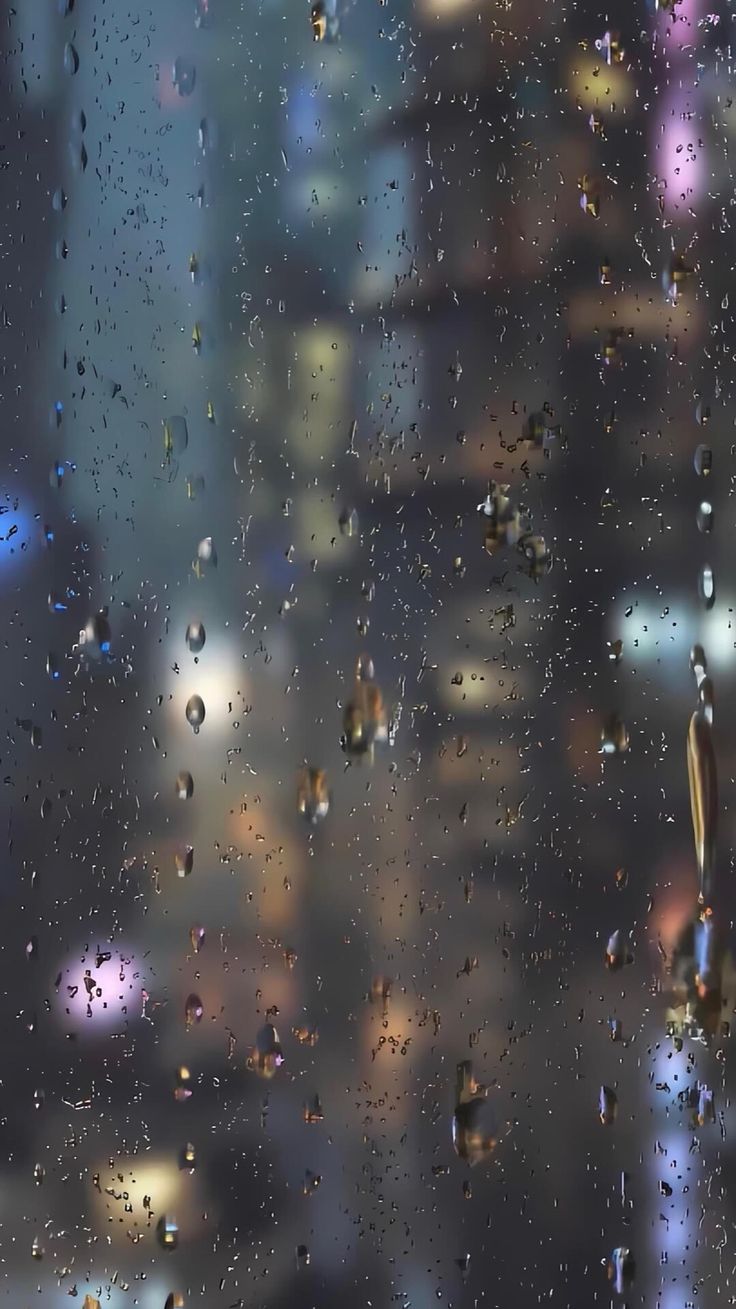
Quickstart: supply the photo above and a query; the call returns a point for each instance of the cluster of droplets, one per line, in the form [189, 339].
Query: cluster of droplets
[614, 734]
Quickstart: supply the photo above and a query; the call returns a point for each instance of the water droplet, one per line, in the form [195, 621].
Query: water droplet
[707, 586]
[266, 1056]
[197, 938]
[702, 414]
[313, 796]
[348, 522]
[193, 1011]
[196, 637]
[167, 1231]
[183, 1088]
[323, 20]
[188, 1158]
[176, 436]
[704, 516]
[590, 195]
[71, 59]
[183, 76]
[206, 556]
[364, 720]
[703, 460]
[618, 951]
[614, 735]
[184, 860]
[184, 786]
[675, 278]
[607, 1106]
[538, 557]
[703, 782]
[621, 1269]
[474, 1130]
[95, 639]
[195, 712]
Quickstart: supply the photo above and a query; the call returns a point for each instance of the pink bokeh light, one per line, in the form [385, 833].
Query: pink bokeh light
[679, 154]
[101, 989]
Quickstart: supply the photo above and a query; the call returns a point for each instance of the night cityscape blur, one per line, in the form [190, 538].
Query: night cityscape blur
[366, 517]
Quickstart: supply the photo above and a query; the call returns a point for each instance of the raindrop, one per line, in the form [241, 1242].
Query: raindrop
[184, 786]
[323, 20]
[188, 1158]
[607, 1106]
[206, 555]
[195, 712]
[183, 1090]
[196, 637]
[184, 860]
[167, 1231]
[702, 414]
[614, 736]
[197, 938]
[704, 516]
[703, 781]
[266, 1056]
[364, 720]
[706, 1111]
[95, 638]
[71, 59]
[590, 195]
[183, 76]
[193, 1011]
[474, 1134]
[348, 522]
[313, 796]
[621, 1269]
[176, 436]
[675, 277]
[505, 525]
[707, 586]
[618, 951]
[537, 555]
[703, 460]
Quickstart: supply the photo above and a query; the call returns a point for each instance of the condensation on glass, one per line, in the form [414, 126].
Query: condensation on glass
[367, 378]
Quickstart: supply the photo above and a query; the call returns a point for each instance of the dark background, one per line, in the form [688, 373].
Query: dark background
[386, 231]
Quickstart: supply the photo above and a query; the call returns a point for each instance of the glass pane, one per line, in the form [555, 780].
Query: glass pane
[366, 478]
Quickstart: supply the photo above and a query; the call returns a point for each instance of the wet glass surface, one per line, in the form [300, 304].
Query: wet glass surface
[365, 540]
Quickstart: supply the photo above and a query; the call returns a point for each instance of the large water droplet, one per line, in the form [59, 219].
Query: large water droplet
[195, 712]
[184, 786]
[193, 1010]
[167, 1231]
[196, 637]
